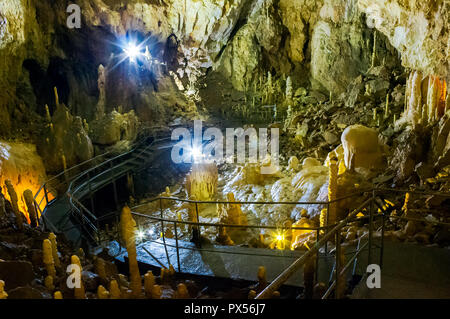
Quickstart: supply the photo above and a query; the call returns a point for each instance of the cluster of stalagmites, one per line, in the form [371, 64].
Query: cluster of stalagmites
[18, 219]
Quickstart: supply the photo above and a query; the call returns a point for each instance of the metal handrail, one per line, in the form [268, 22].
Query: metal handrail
[296, 265]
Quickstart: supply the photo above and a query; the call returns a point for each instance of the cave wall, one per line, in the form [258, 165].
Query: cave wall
[419, 30]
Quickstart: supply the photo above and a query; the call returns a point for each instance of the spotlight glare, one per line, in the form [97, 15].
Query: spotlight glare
[140, 235]
[132, 51]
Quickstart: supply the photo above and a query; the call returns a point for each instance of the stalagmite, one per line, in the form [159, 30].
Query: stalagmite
[289, 89]
[202, 181]
[114, 290]
[52, 238]
[55, 91]
[300, 236]
[29, 201]
[149, 282]
[47, 114]
[182, 292]
[332, 191]
[79, 292]
[386, 108]
[323, 219]
[262, 279]
[49, 283]
[102, 293]
[14, 202]
[128, 226]
[48, 258]
[232, 213]
[362, 149]
[101, 83]
[100, 268]
[3, 215]
[156, 292]
[58, 295]
[3, 294]
[293, 163]
[223, 238]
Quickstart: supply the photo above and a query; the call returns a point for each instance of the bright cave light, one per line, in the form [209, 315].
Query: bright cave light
[132, 52]
[196, 153]
[140, 235]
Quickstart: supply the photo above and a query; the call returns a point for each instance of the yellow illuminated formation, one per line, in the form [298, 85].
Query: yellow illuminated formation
[57, 295]
[79, 291]
[52, 238]
[48, 258]
[202, 181]
[128, 226]
[114, 290]
[3, 294]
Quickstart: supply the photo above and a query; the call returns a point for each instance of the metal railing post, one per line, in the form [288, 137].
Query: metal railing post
[199, 240]
[326, 229]
[369, 257]
[162, 231]
[338, 264]
[176, 244]
[316, 276]
[46, 195]
[116, 199]
[382, 239]
[91, 197]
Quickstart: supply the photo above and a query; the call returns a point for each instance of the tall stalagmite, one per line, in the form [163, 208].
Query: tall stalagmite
[128, 226]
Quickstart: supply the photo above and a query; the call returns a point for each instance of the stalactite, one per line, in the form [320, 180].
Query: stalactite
[14, 202]
[415, 100]
[52, 238]
[114, 290]
[128, 226]
[48, 258]
[79, 292]
[32, 213]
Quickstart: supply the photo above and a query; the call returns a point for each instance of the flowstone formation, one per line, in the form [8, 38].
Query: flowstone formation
[201, 182]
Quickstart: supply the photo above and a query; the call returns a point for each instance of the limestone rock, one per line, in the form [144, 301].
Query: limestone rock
[115, 127]
[16, 273]
[362, 149]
